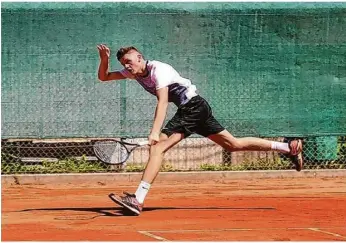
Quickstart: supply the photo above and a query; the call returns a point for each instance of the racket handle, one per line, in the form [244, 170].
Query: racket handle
[142, 143]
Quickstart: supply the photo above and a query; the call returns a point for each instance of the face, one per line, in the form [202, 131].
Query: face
[132, 61]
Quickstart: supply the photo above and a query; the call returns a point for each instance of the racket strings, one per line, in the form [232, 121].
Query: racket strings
[111, 152]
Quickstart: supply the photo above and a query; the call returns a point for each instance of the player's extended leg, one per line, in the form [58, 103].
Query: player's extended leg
[157, 152]
[134, 202]
[230, 143]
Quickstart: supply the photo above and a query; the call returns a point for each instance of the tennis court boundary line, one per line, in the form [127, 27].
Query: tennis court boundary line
[150, 233]
[156, 237]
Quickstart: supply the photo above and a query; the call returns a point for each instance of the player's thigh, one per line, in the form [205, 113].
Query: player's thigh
[223, 138]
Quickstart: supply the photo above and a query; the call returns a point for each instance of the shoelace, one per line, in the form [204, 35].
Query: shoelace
[128, 198]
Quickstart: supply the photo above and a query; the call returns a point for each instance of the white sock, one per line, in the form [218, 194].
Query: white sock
[142, 191]
[282, 147]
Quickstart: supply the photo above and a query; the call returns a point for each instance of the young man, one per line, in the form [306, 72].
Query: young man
[194, 115]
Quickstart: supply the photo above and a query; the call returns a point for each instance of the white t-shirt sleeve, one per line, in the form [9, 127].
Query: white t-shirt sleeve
[126, 74]
[162, 76]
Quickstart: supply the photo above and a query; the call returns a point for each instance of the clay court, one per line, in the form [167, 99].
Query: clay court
[291, 209]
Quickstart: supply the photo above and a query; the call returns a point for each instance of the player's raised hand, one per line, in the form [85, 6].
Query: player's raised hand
[104, 51]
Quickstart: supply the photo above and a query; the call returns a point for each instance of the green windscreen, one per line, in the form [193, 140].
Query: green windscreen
[267, 69]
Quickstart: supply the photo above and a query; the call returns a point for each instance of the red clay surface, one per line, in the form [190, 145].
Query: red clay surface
[302, 209]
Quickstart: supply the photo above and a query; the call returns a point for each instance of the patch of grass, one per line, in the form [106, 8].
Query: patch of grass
[335, 164]
[279, 164]
[134, 168]
[261, 164]
[165, 167]
[68, 165]
[12, 165]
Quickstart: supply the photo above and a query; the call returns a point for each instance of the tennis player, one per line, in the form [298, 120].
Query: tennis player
[194, 115]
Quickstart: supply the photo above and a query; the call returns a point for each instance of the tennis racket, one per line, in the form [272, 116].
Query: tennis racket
[115, 152]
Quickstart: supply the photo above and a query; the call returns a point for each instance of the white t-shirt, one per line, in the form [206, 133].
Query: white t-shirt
[180, 90]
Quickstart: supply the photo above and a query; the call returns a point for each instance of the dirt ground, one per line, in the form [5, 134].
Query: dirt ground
[300, 209]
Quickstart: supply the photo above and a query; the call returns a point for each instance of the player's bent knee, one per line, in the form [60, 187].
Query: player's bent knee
[157, 149]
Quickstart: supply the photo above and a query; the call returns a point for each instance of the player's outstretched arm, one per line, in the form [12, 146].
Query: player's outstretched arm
[160, 114]
[103, 73]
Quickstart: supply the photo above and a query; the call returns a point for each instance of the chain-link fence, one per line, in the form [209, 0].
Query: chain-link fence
[267, 70]
[71, 156]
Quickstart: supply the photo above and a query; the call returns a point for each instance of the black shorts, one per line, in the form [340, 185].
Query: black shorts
[193, 117]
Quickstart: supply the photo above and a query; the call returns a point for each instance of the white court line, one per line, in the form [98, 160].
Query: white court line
[238, 229]
[152, 235]
[330, 233]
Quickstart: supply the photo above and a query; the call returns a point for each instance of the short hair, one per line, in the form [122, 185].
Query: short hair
[123, 50]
